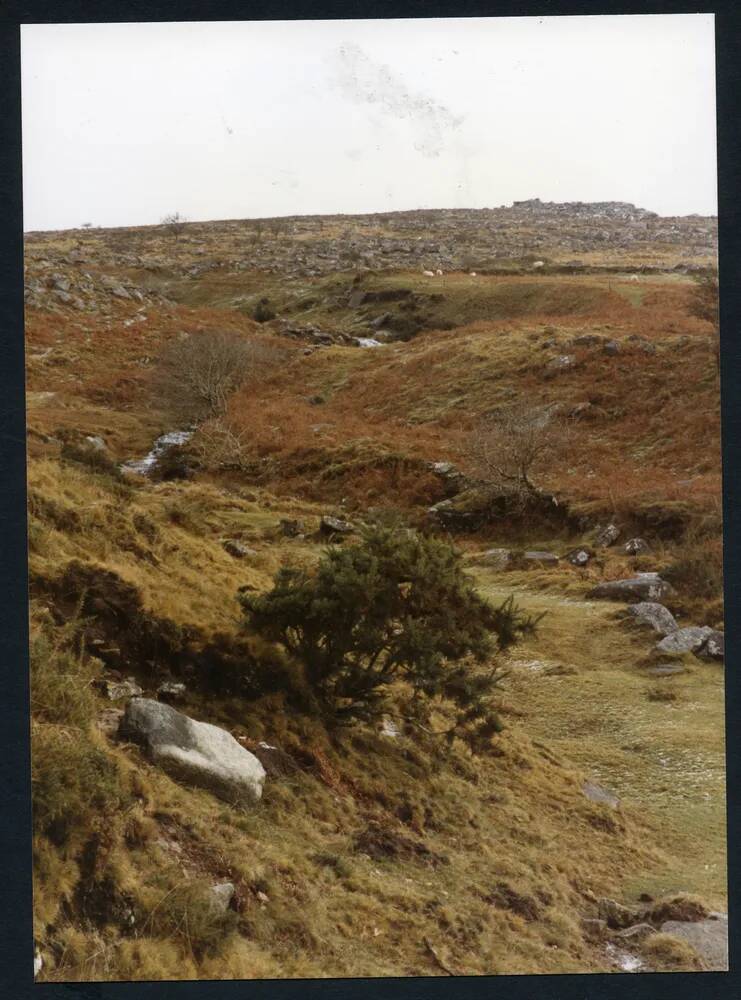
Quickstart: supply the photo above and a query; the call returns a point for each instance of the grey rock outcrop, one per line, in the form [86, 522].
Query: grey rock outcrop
[642, 587]
[607, 536]
[221, 896]
[335, 526]
[579, 556]
[617, 916]
[544, 558]
[171, 691]
[637, 933]
[709, 938]
[559, 364]
[114, 690]
[715, 646]
[635, 546]
[197, 753]
[238, 549]
[703, 641]
[596, 793]
[654, 614]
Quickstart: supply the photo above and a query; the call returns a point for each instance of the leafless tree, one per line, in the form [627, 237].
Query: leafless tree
[197, 373]
[508, 449]
[174, 223]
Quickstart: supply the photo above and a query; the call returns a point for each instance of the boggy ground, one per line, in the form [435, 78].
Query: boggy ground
[370, 854]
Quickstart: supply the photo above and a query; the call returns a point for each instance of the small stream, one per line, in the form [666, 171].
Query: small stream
[624, 960]
[143, 466]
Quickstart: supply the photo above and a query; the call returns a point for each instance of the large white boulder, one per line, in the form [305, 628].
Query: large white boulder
[194, 752]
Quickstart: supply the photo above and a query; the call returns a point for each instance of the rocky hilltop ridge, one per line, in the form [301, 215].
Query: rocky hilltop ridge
[80, 266]
[610, 209]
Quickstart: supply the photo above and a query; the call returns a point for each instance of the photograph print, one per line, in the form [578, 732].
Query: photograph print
[374, 498]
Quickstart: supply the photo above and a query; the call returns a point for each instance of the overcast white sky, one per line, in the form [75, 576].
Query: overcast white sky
[123, 123]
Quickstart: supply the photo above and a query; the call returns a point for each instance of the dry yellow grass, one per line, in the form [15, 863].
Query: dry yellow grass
[368, 855]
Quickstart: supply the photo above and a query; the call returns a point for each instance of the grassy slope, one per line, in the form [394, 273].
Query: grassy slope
[651, 434]
[526, 852]
[517, 819]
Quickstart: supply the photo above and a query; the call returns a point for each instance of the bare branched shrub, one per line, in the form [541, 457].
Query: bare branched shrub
[508, 450]
[220, 443]
[197, 374]
[174, 223]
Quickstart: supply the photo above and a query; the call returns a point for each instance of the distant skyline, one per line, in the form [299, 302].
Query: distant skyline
[125, 123]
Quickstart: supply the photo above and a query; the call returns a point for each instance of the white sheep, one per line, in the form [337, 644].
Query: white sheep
[538, 263]
[472, 274]
[439, 273]
[428, 274]
[634, 277]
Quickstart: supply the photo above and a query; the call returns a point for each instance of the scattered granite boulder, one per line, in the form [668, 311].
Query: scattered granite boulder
[170, 691]
[452, 477]
[708, 937]
[685, 640]
[453, 516]
[443, 468]
[561, 363]
[715, 646]
[654, 614]
[380, 321]
[616, 916]
[335, 526]
[642, 587]
[636, 934]
[606, 536]
[596, 793]
[579, 556]
[665, 670]
[636, 546]
[496, 558]
[194, 752]
[544, 558]
[222, 895]
[114, 690]
[238, 549]
[611, 348]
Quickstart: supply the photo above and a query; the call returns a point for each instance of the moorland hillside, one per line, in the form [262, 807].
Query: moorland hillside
[254, 442]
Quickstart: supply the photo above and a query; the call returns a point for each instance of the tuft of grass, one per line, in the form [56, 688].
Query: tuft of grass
[668, 954]
[192, 914]
[61, 679]
[74, 781]
[661, 692]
